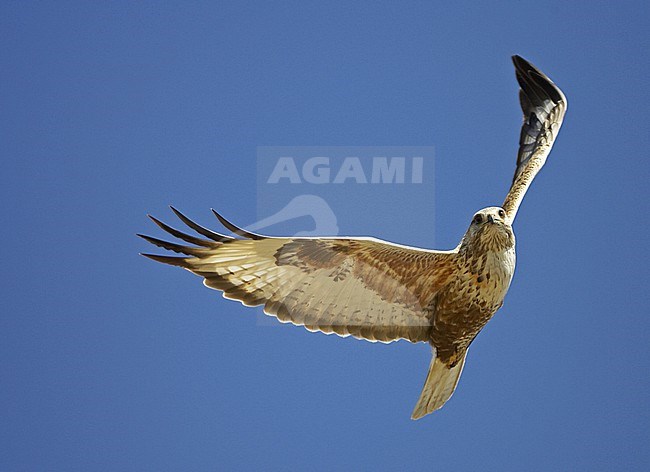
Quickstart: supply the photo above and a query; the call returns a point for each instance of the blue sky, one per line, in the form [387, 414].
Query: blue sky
[110, 111]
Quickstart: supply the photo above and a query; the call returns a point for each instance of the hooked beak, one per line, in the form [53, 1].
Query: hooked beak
[490, 219]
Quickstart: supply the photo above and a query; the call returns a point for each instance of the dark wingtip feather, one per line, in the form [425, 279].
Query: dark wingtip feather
[534, 82]
[200, 229]
[517, 59]
[235, 229]
[185, 237]
[192, 251]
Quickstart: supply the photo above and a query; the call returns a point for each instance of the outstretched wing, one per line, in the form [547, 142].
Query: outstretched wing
[366, 288]
[543, 105]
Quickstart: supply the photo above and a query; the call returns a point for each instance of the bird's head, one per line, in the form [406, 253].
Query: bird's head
[489, 231]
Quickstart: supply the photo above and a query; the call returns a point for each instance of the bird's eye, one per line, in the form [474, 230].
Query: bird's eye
[502, 214]
[478, 219]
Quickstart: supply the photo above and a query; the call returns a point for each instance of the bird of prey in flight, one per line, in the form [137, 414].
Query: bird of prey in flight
[380, 291]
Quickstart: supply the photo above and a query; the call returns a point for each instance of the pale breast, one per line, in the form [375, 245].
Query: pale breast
[470, 300]
[494, 277]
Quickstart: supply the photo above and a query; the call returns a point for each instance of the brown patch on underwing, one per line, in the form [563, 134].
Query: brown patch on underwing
[310, 255]
[400, 275]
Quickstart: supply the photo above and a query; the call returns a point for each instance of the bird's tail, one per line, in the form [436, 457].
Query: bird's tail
[438, 387]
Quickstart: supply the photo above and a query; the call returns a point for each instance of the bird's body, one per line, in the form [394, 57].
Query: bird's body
[481, 278]
[380, 291]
